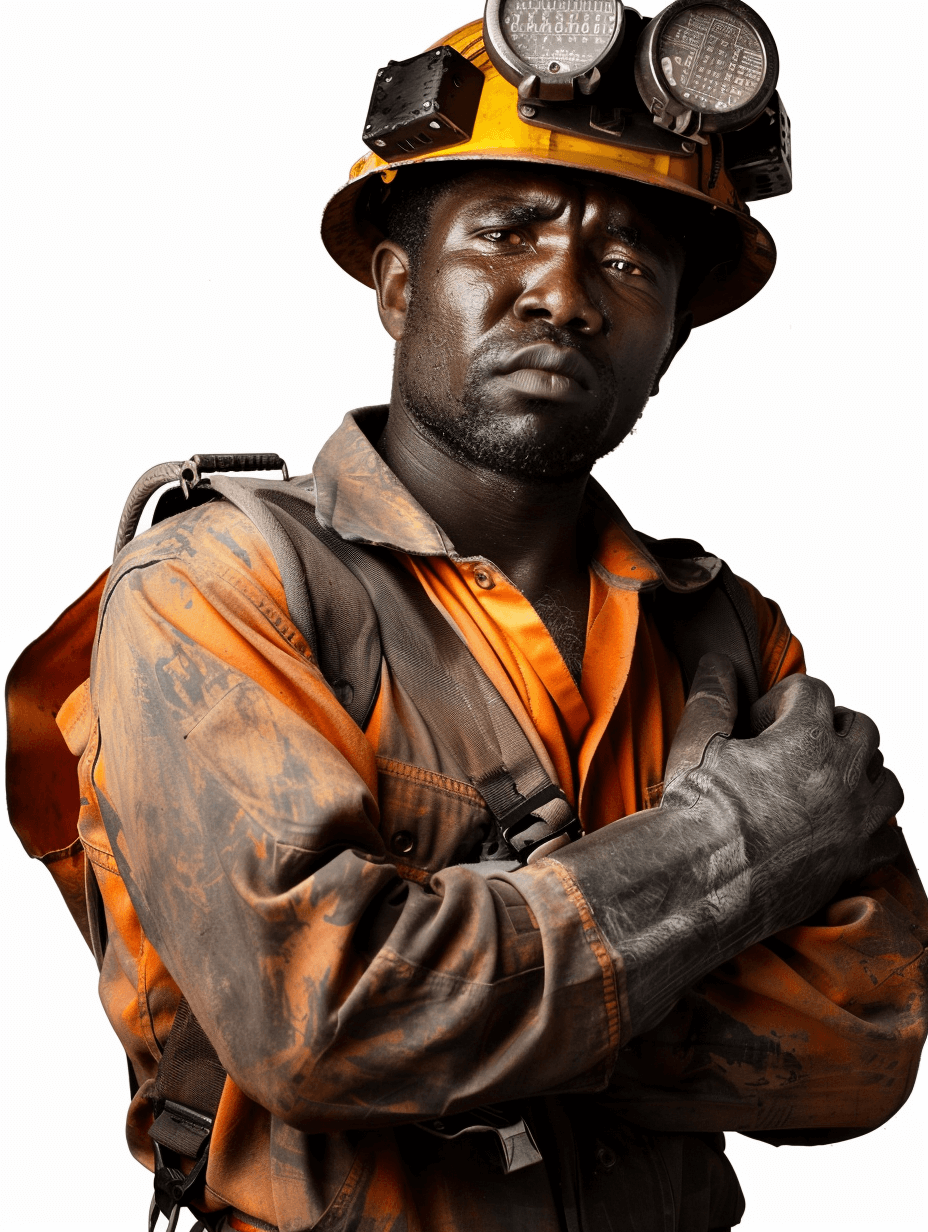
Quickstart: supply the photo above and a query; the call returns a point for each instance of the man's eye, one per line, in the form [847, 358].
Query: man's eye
[503, 237]
[622, 266]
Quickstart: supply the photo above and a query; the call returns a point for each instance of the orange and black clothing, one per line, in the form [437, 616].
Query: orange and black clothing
[302, 882]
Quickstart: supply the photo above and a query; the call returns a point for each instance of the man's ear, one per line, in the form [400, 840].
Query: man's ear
[680, 334]
[390, 271]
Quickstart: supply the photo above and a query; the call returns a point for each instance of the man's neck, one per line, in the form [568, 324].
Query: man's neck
[528, 529]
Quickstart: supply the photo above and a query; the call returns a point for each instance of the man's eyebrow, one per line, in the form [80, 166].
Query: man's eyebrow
[628, 235]
[633, 238]
[512, 211]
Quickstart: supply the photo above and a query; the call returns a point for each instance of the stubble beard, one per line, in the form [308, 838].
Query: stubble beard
[476, 433]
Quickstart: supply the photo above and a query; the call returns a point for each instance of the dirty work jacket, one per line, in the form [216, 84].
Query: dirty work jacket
[300, 881]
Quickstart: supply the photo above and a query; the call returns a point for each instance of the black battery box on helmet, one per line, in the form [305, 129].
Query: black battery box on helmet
[424, 103]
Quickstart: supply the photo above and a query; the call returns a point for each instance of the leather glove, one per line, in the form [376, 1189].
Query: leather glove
[751, 837]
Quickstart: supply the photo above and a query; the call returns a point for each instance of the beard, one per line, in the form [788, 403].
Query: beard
[530, 439]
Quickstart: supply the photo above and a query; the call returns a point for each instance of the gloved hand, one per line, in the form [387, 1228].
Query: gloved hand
[752, 836]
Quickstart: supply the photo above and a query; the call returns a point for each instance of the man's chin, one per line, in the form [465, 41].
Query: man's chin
[516, 448]
[532, 439]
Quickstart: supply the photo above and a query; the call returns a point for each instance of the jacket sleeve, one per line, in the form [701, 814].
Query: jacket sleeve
[814, 1035]
[239, 804]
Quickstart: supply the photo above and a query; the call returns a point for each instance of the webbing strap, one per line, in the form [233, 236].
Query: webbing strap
[188, 1088]
[463, 709]
[718, 618]
[190, 1076]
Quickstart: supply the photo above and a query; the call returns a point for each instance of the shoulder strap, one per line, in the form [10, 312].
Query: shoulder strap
[187, 1091]
[485, 737]
[718, 617]
[325, 600]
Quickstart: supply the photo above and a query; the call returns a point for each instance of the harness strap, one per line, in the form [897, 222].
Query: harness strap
[718, 618]
[188, 1088]
[485, 737]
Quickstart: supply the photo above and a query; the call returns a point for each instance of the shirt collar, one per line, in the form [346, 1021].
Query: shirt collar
[359, 497]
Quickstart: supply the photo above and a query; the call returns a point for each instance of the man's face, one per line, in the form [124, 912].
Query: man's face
[541, 312]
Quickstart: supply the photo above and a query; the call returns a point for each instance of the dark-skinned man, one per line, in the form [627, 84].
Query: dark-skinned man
[360, 986]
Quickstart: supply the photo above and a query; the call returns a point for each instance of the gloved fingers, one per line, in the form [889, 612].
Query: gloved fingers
[875, 767]
[886, 801]
[860, 741]
[710, 710]
[797, 699]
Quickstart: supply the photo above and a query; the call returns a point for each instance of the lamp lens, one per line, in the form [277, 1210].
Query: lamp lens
[559, 36]
[711, 59]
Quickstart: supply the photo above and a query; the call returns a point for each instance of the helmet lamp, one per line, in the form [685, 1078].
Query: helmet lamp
[551, 48]
[706, 67]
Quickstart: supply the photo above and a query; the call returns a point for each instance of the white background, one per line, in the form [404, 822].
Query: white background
[166, 292]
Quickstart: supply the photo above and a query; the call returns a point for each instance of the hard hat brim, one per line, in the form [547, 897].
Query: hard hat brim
[350, 237]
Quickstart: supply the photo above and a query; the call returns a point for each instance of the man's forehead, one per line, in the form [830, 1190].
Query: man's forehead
[521, 197]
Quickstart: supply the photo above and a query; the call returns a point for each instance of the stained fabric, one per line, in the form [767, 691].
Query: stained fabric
[302, 882]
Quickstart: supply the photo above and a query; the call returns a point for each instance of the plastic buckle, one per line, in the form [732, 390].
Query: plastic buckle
[171, 1187]
[549, 841]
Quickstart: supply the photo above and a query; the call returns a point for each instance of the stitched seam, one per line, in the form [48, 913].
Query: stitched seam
[239, 581]
[620, 583]
[615, 999]
[103, 859]
[242, 583]
[337, 1206]
[144, 1009]
[453, 787]
[219, 701]
[387, 955]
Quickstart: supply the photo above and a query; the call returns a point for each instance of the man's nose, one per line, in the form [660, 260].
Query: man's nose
[558, 291]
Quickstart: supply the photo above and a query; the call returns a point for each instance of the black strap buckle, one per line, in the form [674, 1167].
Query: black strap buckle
[188, 1132]
[528, 838]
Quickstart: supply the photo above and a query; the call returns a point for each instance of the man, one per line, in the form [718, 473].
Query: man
[325, 897]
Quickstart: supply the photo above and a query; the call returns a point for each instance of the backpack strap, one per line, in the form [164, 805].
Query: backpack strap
[486, 738]
[188, 1088]
[717, 618]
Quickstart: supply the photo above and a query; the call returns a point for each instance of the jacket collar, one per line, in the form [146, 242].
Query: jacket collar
[359, 497]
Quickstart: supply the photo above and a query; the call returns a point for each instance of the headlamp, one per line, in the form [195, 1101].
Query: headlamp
[550, 48]
[706, 67]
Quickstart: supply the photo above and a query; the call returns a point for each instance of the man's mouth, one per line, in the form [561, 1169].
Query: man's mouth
[543, 370]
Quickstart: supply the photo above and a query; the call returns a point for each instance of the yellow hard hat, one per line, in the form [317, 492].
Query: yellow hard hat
[350, 232]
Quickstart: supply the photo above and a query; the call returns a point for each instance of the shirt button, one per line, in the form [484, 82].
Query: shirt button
[605, 1158]
[483, 579]
[402, 842]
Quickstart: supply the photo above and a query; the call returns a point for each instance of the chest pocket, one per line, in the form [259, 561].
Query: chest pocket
[429, 821]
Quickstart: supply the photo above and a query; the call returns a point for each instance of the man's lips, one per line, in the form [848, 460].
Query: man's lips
[544, 370]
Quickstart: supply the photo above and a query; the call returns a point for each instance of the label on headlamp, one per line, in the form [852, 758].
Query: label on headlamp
[711, 59]
[559, 36]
